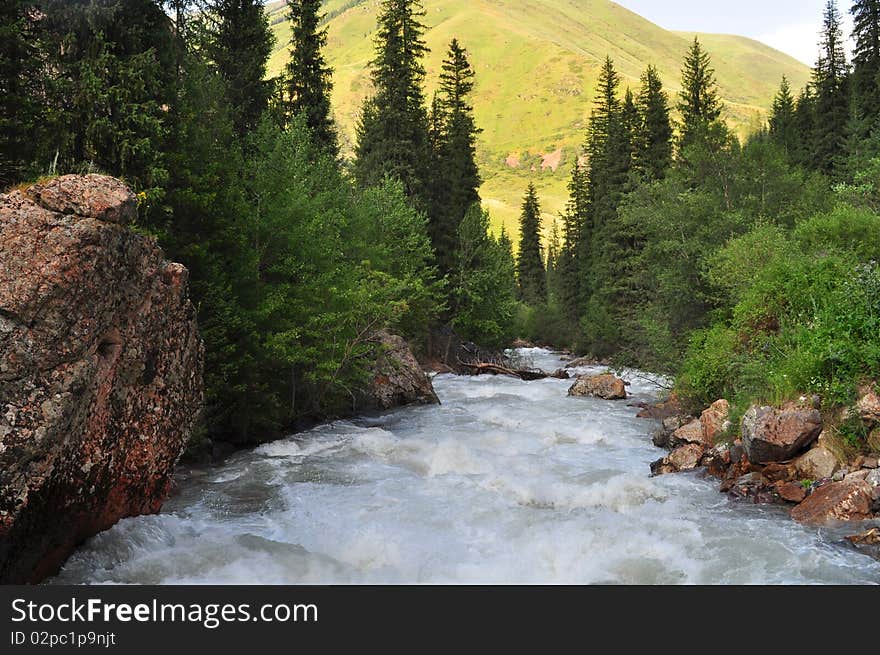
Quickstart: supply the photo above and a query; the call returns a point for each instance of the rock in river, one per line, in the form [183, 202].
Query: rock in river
[607, 387]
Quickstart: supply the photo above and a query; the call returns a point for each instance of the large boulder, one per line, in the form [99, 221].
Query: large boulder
[100, 370]
[776, 435]
[838, 501]
[607, 387]
[396, 379]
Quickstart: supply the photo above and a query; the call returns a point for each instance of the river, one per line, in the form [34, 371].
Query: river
[506, 482]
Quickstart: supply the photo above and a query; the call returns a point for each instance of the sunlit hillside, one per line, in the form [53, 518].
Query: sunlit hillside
[537, 63]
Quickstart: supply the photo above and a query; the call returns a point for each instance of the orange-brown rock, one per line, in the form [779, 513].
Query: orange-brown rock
[792, 492]
[683, 458]
[100, 370]
[838, 501]
[777, 435]
[868, 407]
[776, 472]
[396, 378]
[689, 433]
[607, 387]
[717, 461]
[715, 420]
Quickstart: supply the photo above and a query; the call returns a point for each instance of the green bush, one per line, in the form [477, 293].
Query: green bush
[806, 322]
[844, 229]
[710, 367]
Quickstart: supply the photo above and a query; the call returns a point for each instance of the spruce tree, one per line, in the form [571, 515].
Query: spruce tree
[393, 129]
[553, 259]
[574, 219]
[653, 138]
[240, 47]
[832, 97]
[605, 114]
[112, 80]
[805, 127]
[530, 270]
[866, 58]
[699, 104]
[308, 79]
[610, 149]
[505, 247]
[455, 179]
[783, 130]
[629, 123]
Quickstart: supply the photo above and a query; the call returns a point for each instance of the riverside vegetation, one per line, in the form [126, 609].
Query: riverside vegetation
[746, 269]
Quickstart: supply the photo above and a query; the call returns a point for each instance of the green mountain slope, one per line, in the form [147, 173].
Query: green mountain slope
[537, 62]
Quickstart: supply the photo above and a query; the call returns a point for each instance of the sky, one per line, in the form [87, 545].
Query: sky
[791, 26]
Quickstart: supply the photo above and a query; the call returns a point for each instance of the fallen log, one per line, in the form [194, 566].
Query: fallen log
[482, 368]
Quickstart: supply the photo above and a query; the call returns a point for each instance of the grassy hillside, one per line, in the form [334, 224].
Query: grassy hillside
[537, 62]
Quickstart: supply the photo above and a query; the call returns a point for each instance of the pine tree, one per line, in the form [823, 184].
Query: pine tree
[20, 106]
[783, 130]
[574, 219]
[699, 104]
[610, 149]
[530, 263]
[308, 79]
[393, 129]
[629, 125]
[605, 115]
[653, 138]
[553, 259]
[505, 246]
[805, 127]
[112, 78]
[455, 180]
[832, 97]
[866, 58]
[241, 44]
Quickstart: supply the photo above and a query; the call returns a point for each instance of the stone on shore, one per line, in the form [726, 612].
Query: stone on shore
[396, 378]
[100, 370]
[776, 435]
[816, 464]
[683, 458]
[837, 501]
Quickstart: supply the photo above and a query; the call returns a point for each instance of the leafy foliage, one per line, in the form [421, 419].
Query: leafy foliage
[484, 283]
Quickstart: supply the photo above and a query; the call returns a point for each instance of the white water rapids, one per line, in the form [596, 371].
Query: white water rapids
[506, 482]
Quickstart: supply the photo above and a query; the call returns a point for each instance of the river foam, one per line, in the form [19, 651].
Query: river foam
[506, 482]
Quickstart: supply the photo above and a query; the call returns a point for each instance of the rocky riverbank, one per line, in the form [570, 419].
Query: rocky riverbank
[101, 370]
[792, 456]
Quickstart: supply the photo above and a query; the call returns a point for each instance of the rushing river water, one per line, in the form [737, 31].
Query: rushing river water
[506, 482]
